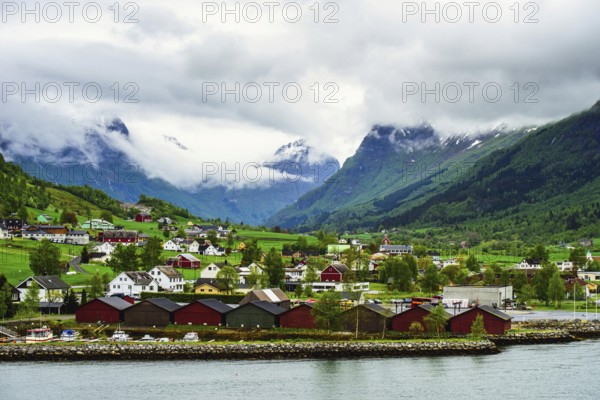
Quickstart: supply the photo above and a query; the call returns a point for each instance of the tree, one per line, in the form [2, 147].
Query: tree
[327, 311]
[166, 234]
[151, 253]
[83, 296]
[22, 214]
[123, 258]
[311, 275]
[68, 217]
[452, 272]
[472, 264]
[45, 259]
[85, 255]
[180, 233]
[106, 215]
[416, 329]
[274, 268]
[541, 281]
[70, 300]
[96, 286]
[579, 258]
[430, 280]
[30, 306]
[251, 253]
[519, 280]
[556, 289]
[299, 290]
[399, 271]
[419, 251]
[212, 237]
[527, 293]
[436, 320]
[413, 264]
[230, 240]
[6, 304]
[229, 278]
[539, 252]
[478, 328]
[489, 277]
[254, 279]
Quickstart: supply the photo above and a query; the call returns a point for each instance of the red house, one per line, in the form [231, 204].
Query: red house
[119, 236]
[300, 317]
[495, 322]
[187, 261]
[107, 309]
[334, 273]
[143, 217]
[402, 322]
[210, 312]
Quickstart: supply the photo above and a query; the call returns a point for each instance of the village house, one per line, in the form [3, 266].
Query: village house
[102, 252]
[143, 217]
[168, 279]
[565, 266]
[165, 220]
[13, 224]
[275, 296]
[210, 250]
[98, 225]
[371, 318]
[255, 314]
[80, 238]
[124, 237]
[52, 288]
[395, 249]
[209, 286]
[56, 234]
[171, 246]
[589, 275]
[209, 312]
[529, 263]
[132, 283]
[151, 312]
[211, 270]
[44, 219]
[334, 273]
[402, 322]
[185, 260]
[4, 234]
[106, 309]
[495, 322]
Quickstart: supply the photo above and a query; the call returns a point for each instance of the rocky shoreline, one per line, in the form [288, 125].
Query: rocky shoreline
[262, 351]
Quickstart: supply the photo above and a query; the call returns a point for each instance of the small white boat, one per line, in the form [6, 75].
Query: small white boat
[190, 337]
[69, 335]
[119, 336]
[147, 338]
[39, 335]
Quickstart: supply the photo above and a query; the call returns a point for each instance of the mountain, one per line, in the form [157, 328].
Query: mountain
[392, 165]
[100, 162]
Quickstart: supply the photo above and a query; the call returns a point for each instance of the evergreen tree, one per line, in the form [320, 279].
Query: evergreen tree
[436, 320]
[6, 304]
[274, 268]
[478, 329]
[472, 264]
[83, 297]
[152, 253]
[85, 255]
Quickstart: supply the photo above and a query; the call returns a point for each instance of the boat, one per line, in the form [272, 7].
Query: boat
[69, 335]
[190, 337]
[39, 335]
[147, 338]
[119, 336]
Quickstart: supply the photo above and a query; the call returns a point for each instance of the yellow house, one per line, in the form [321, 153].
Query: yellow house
[208, 286]
[592, 287]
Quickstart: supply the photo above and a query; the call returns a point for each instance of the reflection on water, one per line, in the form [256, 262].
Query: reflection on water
[565, 371]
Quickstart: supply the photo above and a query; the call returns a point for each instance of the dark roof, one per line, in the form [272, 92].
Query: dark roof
[77, 233]
[267, 306]
[497, 313]
[215, 305]
[342, 268]
[140, 277]
[164, 303]
[115, 302]
[51, 282]
[45, 304]
[170, 271]
[209, 281]
[379, 310]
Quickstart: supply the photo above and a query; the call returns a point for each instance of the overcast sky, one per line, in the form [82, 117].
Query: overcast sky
[368, 65]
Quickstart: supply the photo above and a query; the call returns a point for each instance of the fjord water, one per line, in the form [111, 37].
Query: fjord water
[562, 371]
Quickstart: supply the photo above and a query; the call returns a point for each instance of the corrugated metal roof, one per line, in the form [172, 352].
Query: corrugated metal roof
[268, 307]
[115, 302]
[495, 312]
[215, 305]
[164, 303]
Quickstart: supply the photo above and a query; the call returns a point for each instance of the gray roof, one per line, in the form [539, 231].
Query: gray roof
[115, 302]
[164, 303]
[215, 305]
[51, 282]
[495, 312]
[268, 307]
[400, 247]
[140, 277]
[170, 271]
[379, 310]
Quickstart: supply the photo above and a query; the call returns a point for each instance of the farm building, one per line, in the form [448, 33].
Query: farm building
[300, 317]
[275, 296]
[257, 314]
[143, 217]
[119, 237]
[185, 260]
[478, 295]
[496, 322]
[334, 273]
[402, 322]
[371, 318]
[107, 309]
[151, 312]
[210, 312]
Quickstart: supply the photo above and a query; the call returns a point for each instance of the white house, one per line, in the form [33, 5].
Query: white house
[98, 225]
[168, 278]
[105, 248]
[193, 247]
[395, 249]
[171, 246]
[342, 241]
[52, 288]
[529, 263]
[81, 238]
[211, 270]
[210, 250]
[165, 220]
[132, 283]
[564, 266]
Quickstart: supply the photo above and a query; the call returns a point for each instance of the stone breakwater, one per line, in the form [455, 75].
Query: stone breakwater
[266, 351]
[533, 338]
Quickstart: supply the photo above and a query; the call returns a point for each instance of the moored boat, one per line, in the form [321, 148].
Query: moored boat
[39, 335]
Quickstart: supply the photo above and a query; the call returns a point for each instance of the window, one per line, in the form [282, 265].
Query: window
[143, 287]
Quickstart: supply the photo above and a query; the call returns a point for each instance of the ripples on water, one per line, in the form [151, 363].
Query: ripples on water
[566, 371]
